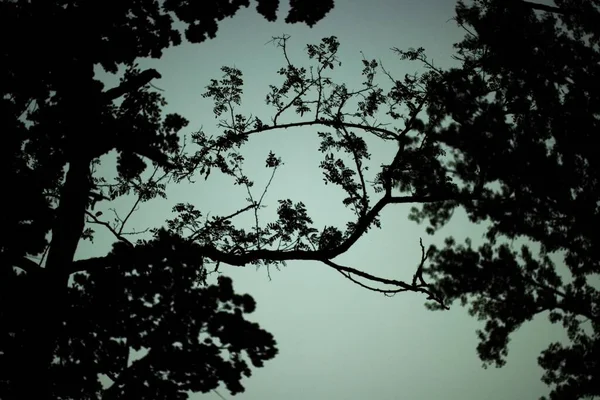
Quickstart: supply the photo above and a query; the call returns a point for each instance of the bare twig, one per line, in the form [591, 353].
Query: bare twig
[418, 277]
[196, 234]
[118, 235]
[402, 286]
[219, 394]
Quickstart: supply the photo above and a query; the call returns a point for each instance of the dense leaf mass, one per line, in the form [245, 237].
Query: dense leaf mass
[192, 337]
[57, 121]
[509, 135]
[524, 110]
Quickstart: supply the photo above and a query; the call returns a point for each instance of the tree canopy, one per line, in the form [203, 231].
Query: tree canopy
[507, 135]
[524, 106]
[58, 120]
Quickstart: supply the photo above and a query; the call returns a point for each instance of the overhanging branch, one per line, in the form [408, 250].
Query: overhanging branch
[545, 7]
[245, 258]
[132, 84]
[326, 122]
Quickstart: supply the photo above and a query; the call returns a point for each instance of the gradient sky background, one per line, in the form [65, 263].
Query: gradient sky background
[336, 340]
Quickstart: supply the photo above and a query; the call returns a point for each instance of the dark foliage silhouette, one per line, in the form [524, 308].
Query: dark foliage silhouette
[144, 304]
[57, 121]
[524, 107]
[508, 136]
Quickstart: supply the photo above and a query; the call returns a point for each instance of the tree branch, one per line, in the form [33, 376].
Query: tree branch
[325, 122]
[545, 7]
[24, 263]
[418, 276]
[242, 259]
[404, 287]
[132, 84]
[118, 235]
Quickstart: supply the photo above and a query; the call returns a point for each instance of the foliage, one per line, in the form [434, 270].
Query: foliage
[194, 336]
[320, 103]
[507, 136]
[523, 110]
[58, 121]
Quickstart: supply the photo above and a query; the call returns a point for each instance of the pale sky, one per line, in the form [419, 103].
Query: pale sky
[335, 339]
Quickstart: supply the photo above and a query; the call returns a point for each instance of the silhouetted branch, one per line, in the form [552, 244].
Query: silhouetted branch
[545, 7]
[23, 263]
[118, 235]
[195, 235]
[326, 122]
[244, 258]
[377, 131]
[373, 289]
[364, 198]
[219, 394]
[348, 270]
[418, 277]
[404, 287]
[132, 84]
[247, 257]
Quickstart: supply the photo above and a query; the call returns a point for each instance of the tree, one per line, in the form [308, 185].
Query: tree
[493, 127]
[524, 108]
[58, 121]
[507, 137]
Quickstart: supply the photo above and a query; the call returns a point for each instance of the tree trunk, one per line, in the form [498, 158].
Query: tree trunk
[43, 313]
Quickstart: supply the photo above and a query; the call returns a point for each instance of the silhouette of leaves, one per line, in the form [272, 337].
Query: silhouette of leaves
[508, 137]
[153, 302]
[521, 110]
[58, 121]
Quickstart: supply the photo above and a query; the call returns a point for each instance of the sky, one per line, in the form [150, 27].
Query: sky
[335, 339]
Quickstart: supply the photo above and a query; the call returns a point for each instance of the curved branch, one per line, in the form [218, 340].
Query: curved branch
[132, 84]
[245, 258]
[326, 122]
[405, 286]
[371, 288]
[337, 124]
[545, 7]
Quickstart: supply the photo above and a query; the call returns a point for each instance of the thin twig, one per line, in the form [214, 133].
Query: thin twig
[118, 235]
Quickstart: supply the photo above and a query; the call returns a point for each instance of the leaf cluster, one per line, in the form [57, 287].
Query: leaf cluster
[521, 108]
